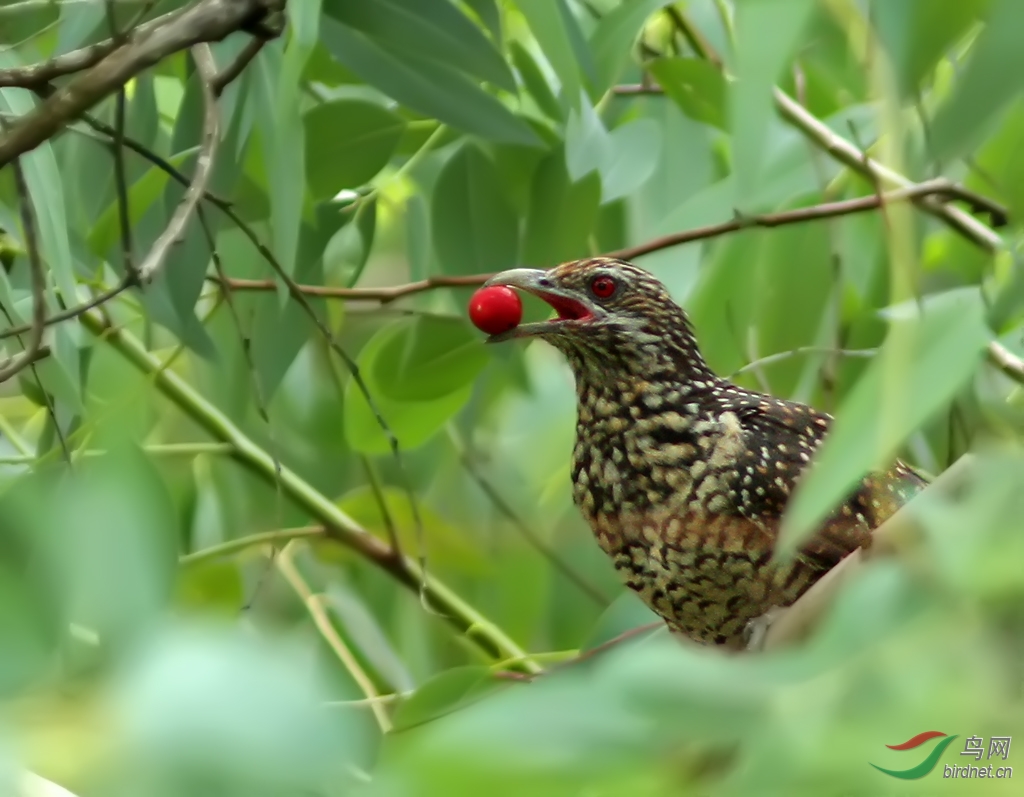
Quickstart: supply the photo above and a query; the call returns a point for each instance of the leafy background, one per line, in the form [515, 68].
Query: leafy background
[229, 567]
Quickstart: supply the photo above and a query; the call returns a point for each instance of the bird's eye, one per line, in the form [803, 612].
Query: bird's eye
[603, 287]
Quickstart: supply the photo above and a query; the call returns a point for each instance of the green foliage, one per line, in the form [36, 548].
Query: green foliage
[174, 618]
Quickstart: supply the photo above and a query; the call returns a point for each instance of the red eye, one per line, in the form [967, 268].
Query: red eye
[602, 287]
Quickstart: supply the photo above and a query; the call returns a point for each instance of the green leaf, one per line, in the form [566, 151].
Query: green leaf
[440, 695]
[474, 227]
[923, 363]
[535, 82]
[431, 88]
[612, 39]
[562, 213]
[984, 88]
[433, 30]
[141, 195]
[430, 357]
[633, 152]
[46, 189]
[697, 86]
[767, 32]
[278, 99]
[347, 143]
[489, 14]
[586, 141]
[558, 34]
[412, 422]
[917, 33]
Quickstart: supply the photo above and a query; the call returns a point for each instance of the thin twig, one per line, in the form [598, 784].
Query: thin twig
[235, 68]
[382, 504]
[797, 216]
[207, 70]
[785, 355]
[231, 547]
[73, 312]
[505, 509]
[23, 360]
[315, 606]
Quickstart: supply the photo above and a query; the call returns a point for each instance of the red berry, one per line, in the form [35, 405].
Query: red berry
[496, 309]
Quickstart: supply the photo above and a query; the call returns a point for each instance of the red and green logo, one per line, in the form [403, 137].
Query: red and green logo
[929, 762]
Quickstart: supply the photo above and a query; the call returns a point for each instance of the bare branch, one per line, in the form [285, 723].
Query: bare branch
[35, 75]
[206, 21]
[207, 69]
[236, 67]
[1006, 361]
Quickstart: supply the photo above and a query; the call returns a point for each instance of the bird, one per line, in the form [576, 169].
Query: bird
[682, 475]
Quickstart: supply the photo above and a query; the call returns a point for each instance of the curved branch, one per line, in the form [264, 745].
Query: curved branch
[206, 21]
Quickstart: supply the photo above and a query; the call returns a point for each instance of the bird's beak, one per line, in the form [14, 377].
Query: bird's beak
[569, 305]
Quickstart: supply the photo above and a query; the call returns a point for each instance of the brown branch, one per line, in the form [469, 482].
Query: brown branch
[206, 21]
[17, 363]
[799, 215]
[207, 70]
[73, 312]
[36, 75]
[1006, 361]
[236, 67]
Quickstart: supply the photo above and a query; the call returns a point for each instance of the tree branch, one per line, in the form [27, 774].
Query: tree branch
[207, 70]
[476, 628]
[206, 21]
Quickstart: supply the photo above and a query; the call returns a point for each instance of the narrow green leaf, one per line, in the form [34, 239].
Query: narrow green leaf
[535, 82]
[562, 213]
[613, 38]
[917, 33]
[474, 228]
[347, 143]
[489, 14]
[46, 188]
[551, 29]
[440, 695]
[767, 31]
[431, 88]
[698, 87]
[986, 86]
[433, 30]
[633, 153]
[923, 363]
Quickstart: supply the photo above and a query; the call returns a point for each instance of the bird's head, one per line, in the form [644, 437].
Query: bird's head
[609, 312]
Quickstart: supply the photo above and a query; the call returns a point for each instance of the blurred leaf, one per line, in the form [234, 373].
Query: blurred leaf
[698, 87]
[626, 613]
[418, 237]
[613, 37]
[766, 34]
[535, 82]
[562, 214]
[213, 587]
[587, 144]
[347, 143]
[489, 14]
[919, 32]
[428, 87]
[557, 32]
[429, 357]
[923, 363]
[473, 227]
[412, 423]
[440, 696]
[982, 90]
[632, 157]
[432, 30]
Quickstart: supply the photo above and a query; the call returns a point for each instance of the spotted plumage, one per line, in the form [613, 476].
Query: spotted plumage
[682, 475]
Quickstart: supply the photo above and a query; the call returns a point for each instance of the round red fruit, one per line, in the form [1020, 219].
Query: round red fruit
[496, 309]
